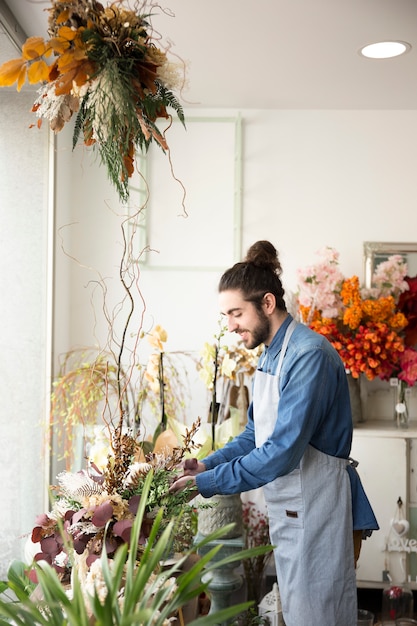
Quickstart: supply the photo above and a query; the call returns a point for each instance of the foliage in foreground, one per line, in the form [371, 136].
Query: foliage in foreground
[127, 592]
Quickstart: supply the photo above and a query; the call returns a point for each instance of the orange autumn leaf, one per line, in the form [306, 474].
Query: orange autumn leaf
[128, 160]
[70, 60]
[67, 33]
[63, 16]
[59, 44]
[38, 72]
[33, 48]
[21, 78]
[10, 71]
[53, 72]
[84, 71]
[88, 137]
[64, 83]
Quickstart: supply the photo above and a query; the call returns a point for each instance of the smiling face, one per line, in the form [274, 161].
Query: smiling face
[254, 325]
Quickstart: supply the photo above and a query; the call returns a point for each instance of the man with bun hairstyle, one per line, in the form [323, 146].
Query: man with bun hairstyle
[296, 445]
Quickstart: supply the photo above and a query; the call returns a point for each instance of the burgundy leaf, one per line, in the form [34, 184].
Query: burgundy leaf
[50, 546]
[111, 545]
[77, 516]
[42, 556]
[91, 558]
[102, 514]
[123, 529]
[80, 542]
[134, 504]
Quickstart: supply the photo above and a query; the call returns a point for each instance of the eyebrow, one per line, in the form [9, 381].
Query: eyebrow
[230, 311]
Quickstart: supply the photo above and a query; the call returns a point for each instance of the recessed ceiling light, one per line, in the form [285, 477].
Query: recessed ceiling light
[385, 49]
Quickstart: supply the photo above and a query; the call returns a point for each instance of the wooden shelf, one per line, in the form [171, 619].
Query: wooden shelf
[386, 428]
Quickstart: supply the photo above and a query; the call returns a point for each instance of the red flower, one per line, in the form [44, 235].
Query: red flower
[407, 304]
[408, 364]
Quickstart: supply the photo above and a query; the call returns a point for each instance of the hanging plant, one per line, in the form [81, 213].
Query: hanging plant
[102, 65]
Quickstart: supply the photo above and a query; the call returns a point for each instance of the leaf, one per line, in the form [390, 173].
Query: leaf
[21, 78]
[64, 83]
[59, 44]
[63, 16]
[84, 71]
[33, 48]
[10, 71]
[67, 33]
[38, 72]
[102, 514]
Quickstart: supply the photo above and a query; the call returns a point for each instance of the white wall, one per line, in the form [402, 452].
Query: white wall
[310, 179]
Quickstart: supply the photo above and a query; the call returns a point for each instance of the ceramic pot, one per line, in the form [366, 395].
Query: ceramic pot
[219, 511]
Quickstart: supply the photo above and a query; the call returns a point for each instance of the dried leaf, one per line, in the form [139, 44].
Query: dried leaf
[38, 72]
[21, 78]
[33, 48]
[63, 16]
[59, 44]
[69, 60]
[57, 124]
[53, 72]
[67, 33]
[88, 138]
[160, 139]
[10, 71]
[84, 71]
[64, 84]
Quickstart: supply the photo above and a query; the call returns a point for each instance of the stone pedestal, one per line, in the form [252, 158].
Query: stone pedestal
[223, 581]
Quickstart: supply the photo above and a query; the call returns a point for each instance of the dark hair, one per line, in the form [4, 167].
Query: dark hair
[259, 273]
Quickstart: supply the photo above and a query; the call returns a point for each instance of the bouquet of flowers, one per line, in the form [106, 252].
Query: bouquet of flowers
[122, 590]
[366, 326]
[95, 510]
[107, 71]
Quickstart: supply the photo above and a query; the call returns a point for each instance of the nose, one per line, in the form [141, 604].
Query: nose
[232, 326]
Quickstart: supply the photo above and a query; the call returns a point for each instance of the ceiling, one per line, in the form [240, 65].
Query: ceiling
[279, 54]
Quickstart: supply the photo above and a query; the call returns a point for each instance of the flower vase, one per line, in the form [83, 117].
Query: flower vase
[218, 511]
[400, 403]
[355, 399]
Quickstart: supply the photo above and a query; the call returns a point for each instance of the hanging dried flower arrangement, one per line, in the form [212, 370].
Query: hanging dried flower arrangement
[102, 65]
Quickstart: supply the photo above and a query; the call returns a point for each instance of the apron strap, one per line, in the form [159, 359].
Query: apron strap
[285, 343]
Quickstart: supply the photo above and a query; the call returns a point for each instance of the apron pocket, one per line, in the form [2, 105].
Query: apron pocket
[284, 499]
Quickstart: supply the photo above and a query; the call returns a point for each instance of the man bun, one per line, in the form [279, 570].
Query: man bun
[264, 255]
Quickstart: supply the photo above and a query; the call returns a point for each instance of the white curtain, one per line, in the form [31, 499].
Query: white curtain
[24, 318]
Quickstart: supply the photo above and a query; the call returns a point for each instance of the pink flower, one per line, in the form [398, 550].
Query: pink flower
[408, 364]
[320, 284]
[389, 277]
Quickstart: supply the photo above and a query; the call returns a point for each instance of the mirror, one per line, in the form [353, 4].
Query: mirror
[376, 252]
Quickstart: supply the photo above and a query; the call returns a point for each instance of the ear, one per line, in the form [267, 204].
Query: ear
[269, 303]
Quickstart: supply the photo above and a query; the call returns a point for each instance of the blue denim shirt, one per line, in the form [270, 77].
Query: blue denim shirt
[314, 409]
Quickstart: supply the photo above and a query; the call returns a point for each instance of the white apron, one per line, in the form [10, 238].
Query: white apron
[310, 520]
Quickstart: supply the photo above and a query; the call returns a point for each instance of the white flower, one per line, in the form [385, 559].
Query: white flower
[134, 470]
[79, 485]
[228, 366]
[171, 75]
[94, 580]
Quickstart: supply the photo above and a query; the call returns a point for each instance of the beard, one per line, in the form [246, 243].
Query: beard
[261, 332]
